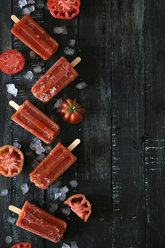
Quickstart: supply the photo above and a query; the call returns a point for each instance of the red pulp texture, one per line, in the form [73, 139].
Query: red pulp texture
[64, 9]
[22, 245]
[11, 161]
[11, 61]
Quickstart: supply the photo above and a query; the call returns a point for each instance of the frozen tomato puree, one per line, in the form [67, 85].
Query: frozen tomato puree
[22, 245]
[80, 205]
[11, 161]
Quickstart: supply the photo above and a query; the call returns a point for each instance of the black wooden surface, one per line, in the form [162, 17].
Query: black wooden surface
[121, 160]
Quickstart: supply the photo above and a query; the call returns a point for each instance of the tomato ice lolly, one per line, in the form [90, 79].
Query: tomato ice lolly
[54, 165]
[34, 36]
[35, 121]
[56, 78]
[36, 220]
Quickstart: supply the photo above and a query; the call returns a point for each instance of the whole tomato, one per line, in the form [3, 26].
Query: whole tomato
[72, 111]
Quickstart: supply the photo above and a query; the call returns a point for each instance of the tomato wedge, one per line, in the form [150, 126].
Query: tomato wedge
[80, 205]
[11, 61]
[11, 161]
[22, 245]
[64, 9]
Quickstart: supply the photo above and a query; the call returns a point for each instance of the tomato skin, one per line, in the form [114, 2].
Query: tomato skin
[64, 9]
[72, 111]
[11, 161]
[22, 245]
[11, 61]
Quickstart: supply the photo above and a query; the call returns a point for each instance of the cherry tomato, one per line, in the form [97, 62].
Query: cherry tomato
[22, 245]
[64, 9]
[11, 61]
[73, 112]
[80, 205]
[11, 161]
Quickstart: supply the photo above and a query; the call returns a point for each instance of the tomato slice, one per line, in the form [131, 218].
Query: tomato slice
[80, 205]
[22, 245]
[11, 61]
[64, 9]
[11, 161]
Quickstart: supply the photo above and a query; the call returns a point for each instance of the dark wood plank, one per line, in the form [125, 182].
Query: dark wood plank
[155, 124]
[128, 228]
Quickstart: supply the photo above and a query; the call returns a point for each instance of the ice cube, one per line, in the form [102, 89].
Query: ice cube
[28, 75]
[16, 144]
[11, 89]
[71, 43]
[57, 195]
[73, 244]
[11, 220]
[60, 30]
[8, 239]
[81, 85]
[65, 246]
[36, 146]
[69, 51]
[48, 149]
[37, 69]
[35, 163]
[4, 192]
[58, 104]
[24, 188]
[73, 183]
[26, 11]
[31, 2]
[40, 157]
[62, 197]
[32, 55]
[66, 211]
[22, 3]
[53, 207]
[64, 190]
[31, 8]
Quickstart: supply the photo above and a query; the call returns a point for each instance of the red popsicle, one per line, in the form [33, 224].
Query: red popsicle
[54, 165]
[57, 77]
[36, 122]
[36, 220]
[34, 36]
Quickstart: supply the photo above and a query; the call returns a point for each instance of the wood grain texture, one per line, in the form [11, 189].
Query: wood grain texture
[121, 160]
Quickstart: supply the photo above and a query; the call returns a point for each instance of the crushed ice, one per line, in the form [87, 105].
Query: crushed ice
[58, 104]
[32, 55]
[24, 188]
[31, 2]
[40, 157]
[11, 220]
[62, 197]
[64, 190]
[65, 246]
[16, 144]
[71, 43]
[8, 239]
[53, 207]
[69, 51]
[81, 85]
[60, 30]
[11, 89]
[37, 69]
[36, 146]
[31, 8]
[66, 211]
[28, 75]
[35, 163]
[73, 244]
[22, 3]
[26, 11]
[57, 195]
[4, 192]
[48, 149]
[73, 183]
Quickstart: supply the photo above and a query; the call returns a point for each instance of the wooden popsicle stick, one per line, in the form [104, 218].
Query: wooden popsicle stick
[14, 19]
[15, 209]
[74, 144]
[75, 61]
[14, 105]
